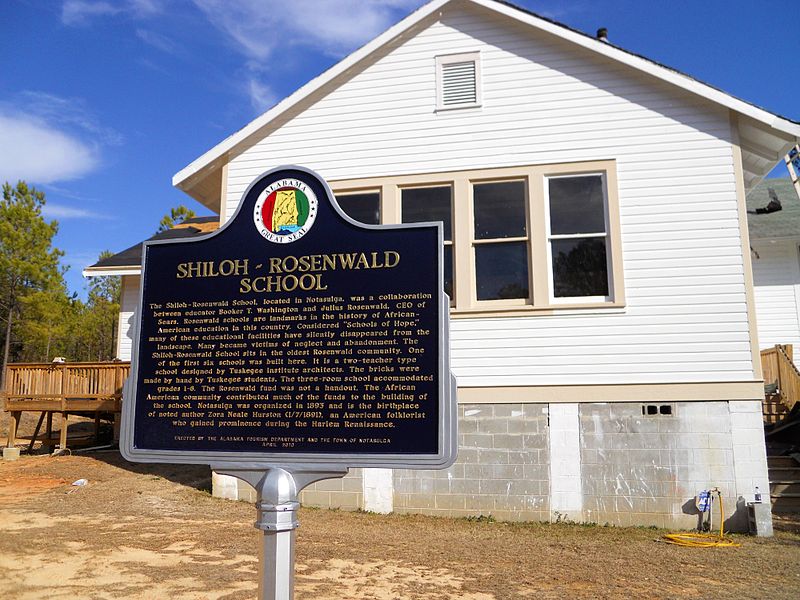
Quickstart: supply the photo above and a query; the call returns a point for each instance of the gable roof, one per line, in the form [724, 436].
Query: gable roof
[764, 137]
[784, 223]
[129, 261]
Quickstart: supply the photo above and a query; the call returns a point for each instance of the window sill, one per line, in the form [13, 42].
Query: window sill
[439, 109]
[531, 311]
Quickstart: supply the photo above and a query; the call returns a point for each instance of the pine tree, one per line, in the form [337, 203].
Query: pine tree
[28, 260]
[175, 217]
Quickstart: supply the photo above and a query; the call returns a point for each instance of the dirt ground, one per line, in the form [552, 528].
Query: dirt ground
[152, 532]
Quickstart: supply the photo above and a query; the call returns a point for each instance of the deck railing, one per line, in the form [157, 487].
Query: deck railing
[778, 368]
[73, 386]
[65, 388]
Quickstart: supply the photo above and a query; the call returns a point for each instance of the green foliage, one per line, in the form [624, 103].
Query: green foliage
[102, 310]
[28, 262]
[44, 325]
[40, 320]
[175, 217]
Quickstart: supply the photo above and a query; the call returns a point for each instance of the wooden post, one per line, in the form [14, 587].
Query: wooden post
[63, 389]
[36, 433]
[97, 427]
[49, 440]
[13, 425]
[64, 426]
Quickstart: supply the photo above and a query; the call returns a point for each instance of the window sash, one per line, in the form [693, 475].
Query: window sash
[369, 192]
[448, 241]
[551, 237]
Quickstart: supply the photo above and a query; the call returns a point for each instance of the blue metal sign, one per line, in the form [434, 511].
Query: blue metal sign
[293, 335]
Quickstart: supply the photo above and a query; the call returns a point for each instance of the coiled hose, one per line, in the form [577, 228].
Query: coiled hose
[704, 540]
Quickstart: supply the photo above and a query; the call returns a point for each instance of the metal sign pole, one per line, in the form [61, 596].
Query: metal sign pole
[277, 506]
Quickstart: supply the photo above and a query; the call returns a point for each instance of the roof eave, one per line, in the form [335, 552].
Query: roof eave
[198, 169]
[114, 271]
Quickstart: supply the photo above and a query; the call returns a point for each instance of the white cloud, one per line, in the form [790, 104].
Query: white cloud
[259, 27]
[47, 138]
[157, 41]
[146, 7]
[61, 211]
[80, 12]
[261, 96]
[67, 111]
[37, 152]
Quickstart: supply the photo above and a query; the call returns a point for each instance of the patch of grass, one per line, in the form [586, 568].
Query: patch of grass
[480, 519]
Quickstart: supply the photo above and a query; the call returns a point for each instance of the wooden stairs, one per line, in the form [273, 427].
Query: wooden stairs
[784, 484]
[781, 382]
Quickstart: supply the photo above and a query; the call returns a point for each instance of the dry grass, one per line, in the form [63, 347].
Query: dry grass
[155, 532]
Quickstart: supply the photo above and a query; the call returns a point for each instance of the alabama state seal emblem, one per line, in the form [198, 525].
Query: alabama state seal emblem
[285, 211]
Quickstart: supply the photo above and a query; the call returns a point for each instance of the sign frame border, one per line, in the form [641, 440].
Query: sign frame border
[298, 461]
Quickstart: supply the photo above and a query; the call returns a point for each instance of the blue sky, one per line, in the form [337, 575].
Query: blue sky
[102, 101]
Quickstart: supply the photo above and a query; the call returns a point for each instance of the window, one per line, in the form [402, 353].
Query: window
[577, 238]
[458, 81]
[500, 240]
[424, 204]
[518, 240]
[364, 207]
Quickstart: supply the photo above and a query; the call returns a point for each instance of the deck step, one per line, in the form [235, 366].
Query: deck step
[784, 484]
[782, 461]
[786, 503]
[784, 489]
[784, 473]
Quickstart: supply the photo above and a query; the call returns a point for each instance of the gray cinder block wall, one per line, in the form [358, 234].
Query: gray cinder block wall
[642, 470]
[587, 462]
[502, 468]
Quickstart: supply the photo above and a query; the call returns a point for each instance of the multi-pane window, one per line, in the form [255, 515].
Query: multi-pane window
[578, 237]
[435, 203]
[364, 207]
[501, 240]
[528, 238]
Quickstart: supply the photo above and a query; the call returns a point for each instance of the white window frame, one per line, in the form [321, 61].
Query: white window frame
[541, 301]
[550, 237]
[448, 59]
[527, 240]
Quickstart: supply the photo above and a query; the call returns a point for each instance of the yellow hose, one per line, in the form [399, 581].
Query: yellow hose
[704, 540]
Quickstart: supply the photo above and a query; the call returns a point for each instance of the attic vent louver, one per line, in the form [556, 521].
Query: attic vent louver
[458, 81]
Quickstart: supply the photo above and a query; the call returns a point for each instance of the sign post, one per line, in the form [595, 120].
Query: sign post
[291, 345]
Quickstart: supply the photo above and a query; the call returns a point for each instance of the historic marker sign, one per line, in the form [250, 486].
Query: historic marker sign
[293, 336]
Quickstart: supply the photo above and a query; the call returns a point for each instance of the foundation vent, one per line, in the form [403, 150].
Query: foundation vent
[655, 410]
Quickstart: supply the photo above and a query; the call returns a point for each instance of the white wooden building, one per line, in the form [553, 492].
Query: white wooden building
[775, 240]
[603, 319]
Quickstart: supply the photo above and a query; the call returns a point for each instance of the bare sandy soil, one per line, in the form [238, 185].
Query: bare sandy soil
[152, 532]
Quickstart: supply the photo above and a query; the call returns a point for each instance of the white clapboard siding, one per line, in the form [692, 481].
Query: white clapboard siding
[776, 275]
[129, 301]
[545, 101]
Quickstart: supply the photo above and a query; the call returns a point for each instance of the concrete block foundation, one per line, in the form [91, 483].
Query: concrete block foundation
[10, 453]
[584, 462]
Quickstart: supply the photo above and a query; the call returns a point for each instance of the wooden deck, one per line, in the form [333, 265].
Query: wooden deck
[782, 382]
[89, 389]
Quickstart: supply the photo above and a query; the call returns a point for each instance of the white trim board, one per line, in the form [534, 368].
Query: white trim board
[187, 177]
